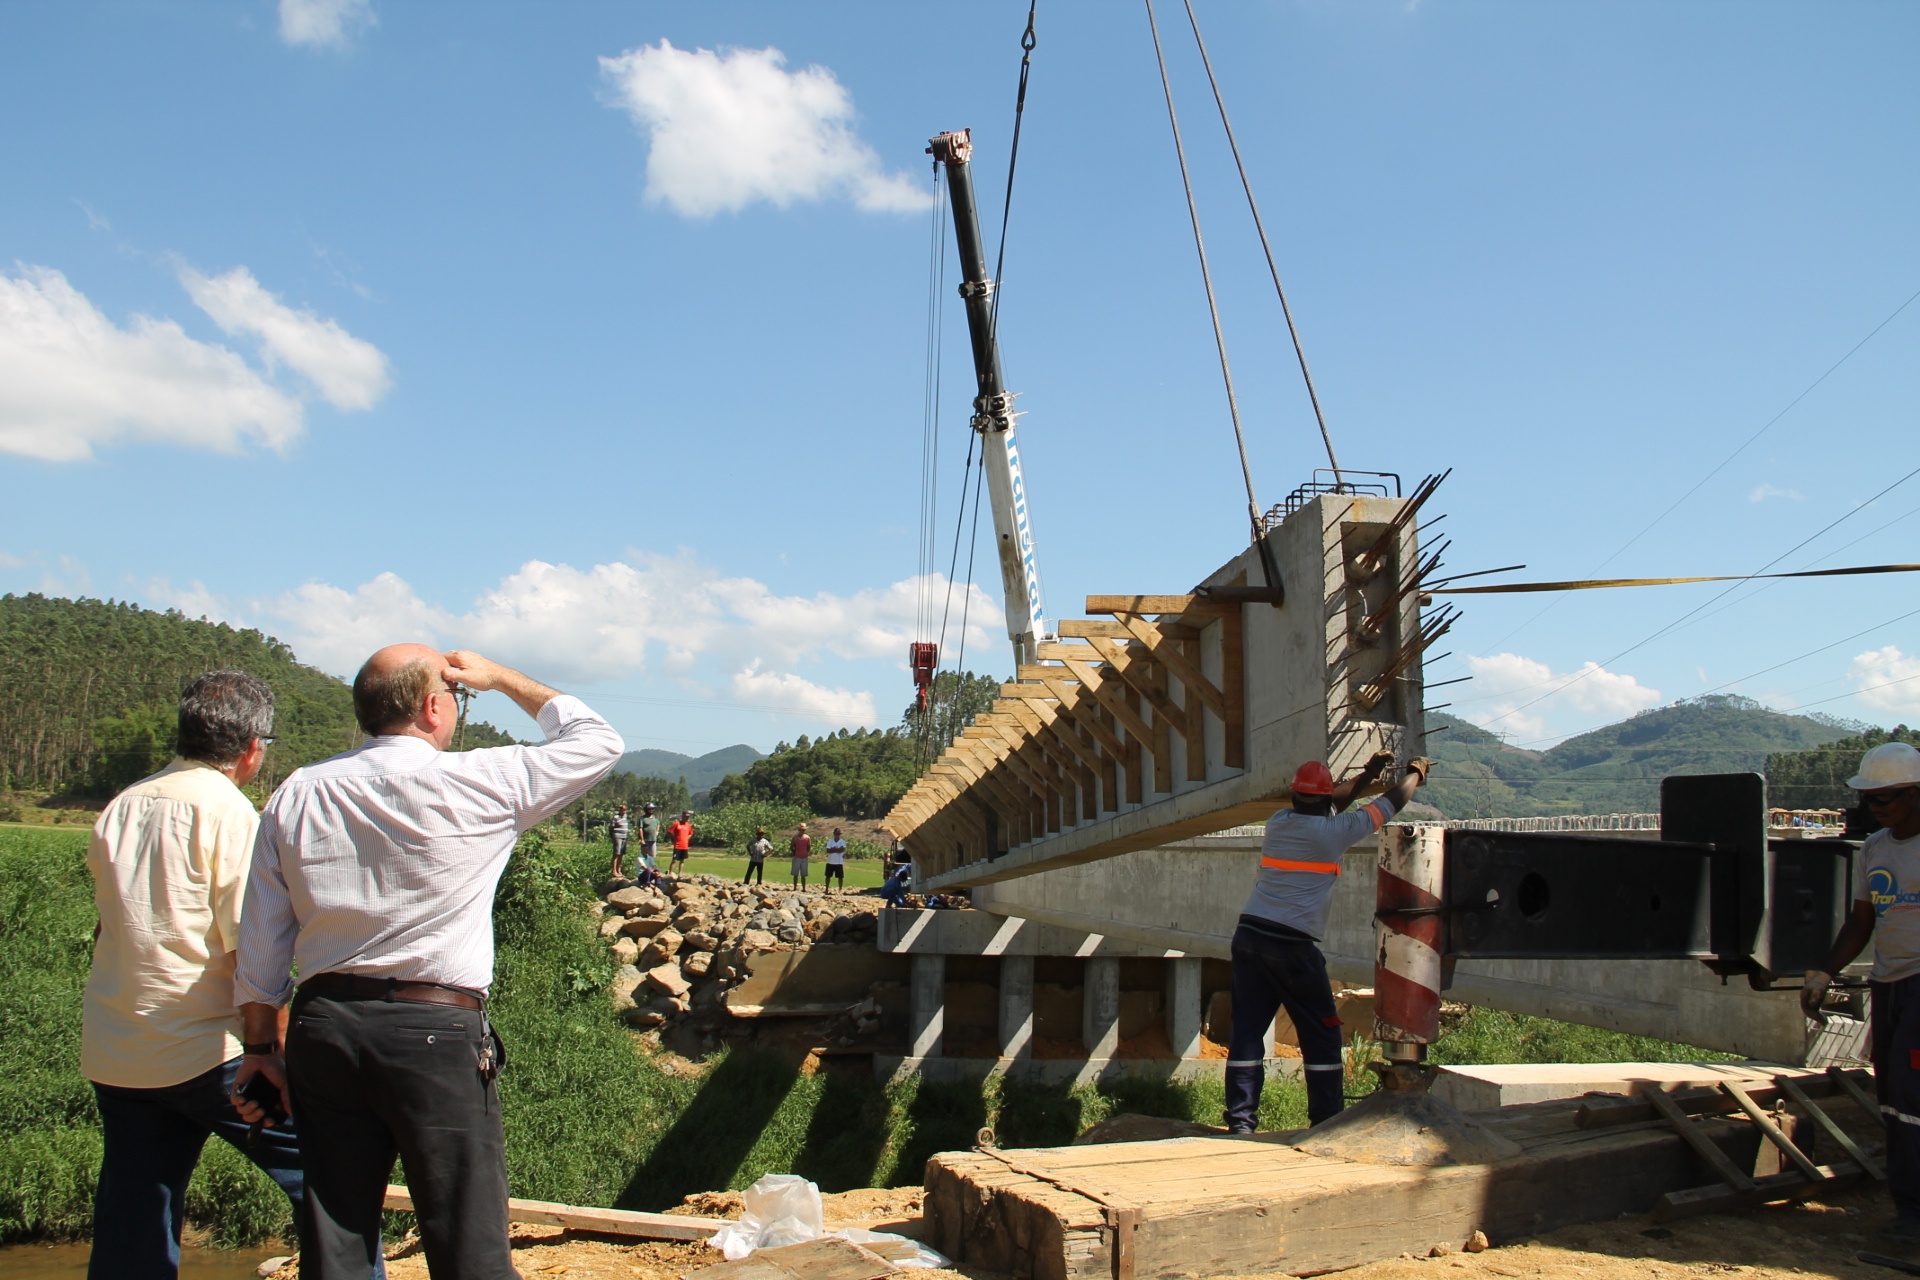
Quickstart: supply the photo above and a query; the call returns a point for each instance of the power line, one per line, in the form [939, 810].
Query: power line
[1584, 672]
[1767, 426]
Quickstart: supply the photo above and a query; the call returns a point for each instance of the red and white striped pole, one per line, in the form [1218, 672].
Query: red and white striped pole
[1409, 940]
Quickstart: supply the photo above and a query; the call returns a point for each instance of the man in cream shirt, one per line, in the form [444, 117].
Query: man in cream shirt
[160, 1036]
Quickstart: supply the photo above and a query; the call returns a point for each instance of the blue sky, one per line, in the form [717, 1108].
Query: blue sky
[592, 336]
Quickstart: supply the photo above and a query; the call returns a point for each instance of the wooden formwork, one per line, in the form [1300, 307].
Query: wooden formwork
[1215, 1206]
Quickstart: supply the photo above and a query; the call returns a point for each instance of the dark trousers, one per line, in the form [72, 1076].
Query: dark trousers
[372, 1079]
[755, 871]
[152, 1140]
[835, 873]
[1896, 1078]
[1269, 973]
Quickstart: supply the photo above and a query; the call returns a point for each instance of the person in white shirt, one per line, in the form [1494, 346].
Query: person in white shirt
[374, 872]
[836, 861]
[159, 1034]
[1886, 912]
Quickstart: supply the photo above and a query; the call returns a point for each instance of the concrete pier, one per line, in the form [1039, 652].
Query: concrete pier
[1016, 1007]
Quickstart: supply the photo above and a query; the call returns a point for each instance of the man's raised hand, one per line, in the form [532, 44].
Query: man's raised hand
[475, 672]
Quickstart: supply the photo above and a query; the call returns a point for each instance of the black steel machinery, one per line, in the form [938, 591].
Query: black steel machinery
[1715, 887]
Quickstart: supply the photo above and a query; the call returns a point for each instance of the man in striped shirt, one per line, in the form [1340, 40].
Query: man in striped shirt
[1276, 959]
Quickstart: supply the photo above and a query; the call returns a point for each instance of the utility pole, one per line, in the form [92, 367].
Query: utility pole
[993, 412]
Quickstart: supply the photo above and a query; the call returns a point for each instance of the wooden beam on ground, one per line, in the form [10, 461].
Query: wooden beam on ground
[611, 1222]
[1695, 1137]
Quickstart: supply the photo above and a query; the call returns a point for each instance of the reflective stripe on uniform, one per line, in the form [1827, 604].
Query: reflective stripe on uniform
[1901, 1116]
[1288, 864]
[1322, 1066]
[1250, 1062]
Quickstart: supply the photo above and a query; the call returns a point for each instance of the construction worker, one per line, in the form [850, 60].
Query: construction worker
[680, 831]
[1276, 957]
[1887, 912]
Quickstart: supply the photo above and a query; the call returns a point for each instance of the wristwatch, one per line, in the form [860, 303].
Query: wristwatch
[266, 1050]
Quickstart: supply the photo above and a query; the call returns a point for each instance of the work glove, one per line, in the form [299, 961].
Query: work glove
[1422, 766]
[1814, 993]
[1379, 761]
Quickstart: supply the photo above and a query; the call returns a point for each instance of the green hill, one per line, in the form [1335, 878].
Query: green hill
[1616, 769]
[88, 690]
[701, 772]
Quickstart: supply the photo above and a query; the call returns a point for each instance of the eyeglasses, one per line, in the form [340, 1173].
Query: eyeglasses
[1879, 798]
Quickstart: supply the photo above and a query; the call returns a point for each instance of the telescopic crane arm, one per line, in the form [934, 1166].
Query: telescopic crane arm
[993, 411]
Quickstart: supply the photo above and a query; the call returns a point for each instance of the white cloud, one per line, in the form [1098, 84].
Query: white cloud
[800, 696]
[349, 372]
[731, 639]
[1505, 683]
[730, 128]
[1761, 492]
[1883, 667]
[10, 561]
[324, 23]
[71, 379]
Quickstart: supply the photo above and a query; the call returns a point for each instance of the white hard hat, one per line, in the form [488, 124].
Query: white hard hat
[1891, 764]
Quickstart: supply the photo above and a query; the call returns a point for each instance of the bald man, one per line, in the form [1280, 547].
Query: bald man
[374, 871]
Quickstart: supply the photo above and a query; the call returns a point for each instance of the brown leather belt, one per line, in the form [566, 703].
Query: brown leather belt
[351, 986]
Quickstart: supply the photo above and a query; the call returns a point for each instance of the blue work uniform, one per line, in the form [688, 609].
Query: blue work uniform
[1277, 962]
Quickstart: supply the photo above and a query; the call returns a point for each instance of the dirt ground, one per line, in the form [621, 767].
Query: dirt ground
[1816, 1238]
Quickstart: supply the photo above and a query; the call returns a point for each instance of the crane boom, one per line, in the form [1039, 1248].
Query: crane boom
[993, 412]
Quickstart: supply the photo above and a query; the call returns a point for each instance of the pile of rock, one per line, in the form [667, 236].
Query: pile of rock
[682, 948]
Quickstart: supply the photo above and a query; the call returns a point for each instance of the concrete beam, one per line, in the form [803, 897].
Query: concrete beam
[1186, 898]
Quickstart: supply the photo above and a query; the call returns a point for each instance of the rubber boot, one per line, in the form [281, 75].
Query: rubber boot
[1244, 1082]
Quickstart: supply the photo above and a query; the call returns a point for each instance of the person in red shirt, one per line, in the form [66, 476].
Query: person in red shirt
[680, 831]
[801, 847]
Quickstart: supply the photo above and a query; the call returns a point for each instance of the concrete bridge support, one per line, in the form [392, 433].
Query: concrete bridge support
[1016, 1007]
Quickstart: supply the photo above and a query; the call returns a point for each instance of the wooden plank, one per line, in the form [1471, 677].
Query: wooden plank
[1703, 1099]
[612, 1222]
[825, 1259]
[1139, 673]
[1764, 1122]
[1690, 1132]
[1819, 1116]
[1196, 734]
[1867, 1102]
[1719, 1198]
[1145, 604]
[1092, 629]
[1233, 687]
[1096, 684]
[1166, 649]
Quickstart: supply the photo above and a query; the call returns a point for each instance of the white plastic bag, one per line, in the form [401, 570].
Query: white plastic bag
[781, 1208]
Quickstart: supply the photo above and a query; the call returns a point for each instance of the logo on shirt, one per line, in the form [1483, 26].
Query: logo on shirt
[1884, 892]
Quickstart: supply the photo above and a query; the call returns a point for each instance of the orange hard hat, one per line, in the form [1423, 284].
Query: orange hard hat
[1313, 779]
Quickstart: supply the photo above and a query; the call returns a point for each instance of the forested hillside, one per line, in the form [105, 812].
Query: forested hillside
[1616, 769]
[699, 772]
[1817, 779]
[88, 690]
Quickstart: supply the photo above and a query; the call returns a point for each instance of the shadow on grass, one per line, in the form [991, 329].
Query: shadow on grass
[847, 1133]
[712, 1138]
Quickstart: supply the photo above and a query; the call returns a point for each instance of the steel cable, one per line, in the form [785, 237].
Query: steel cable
[1260, 226]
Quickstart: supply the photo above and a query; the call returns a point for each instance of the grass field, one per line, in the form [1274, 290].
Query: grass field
[590, 1118]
